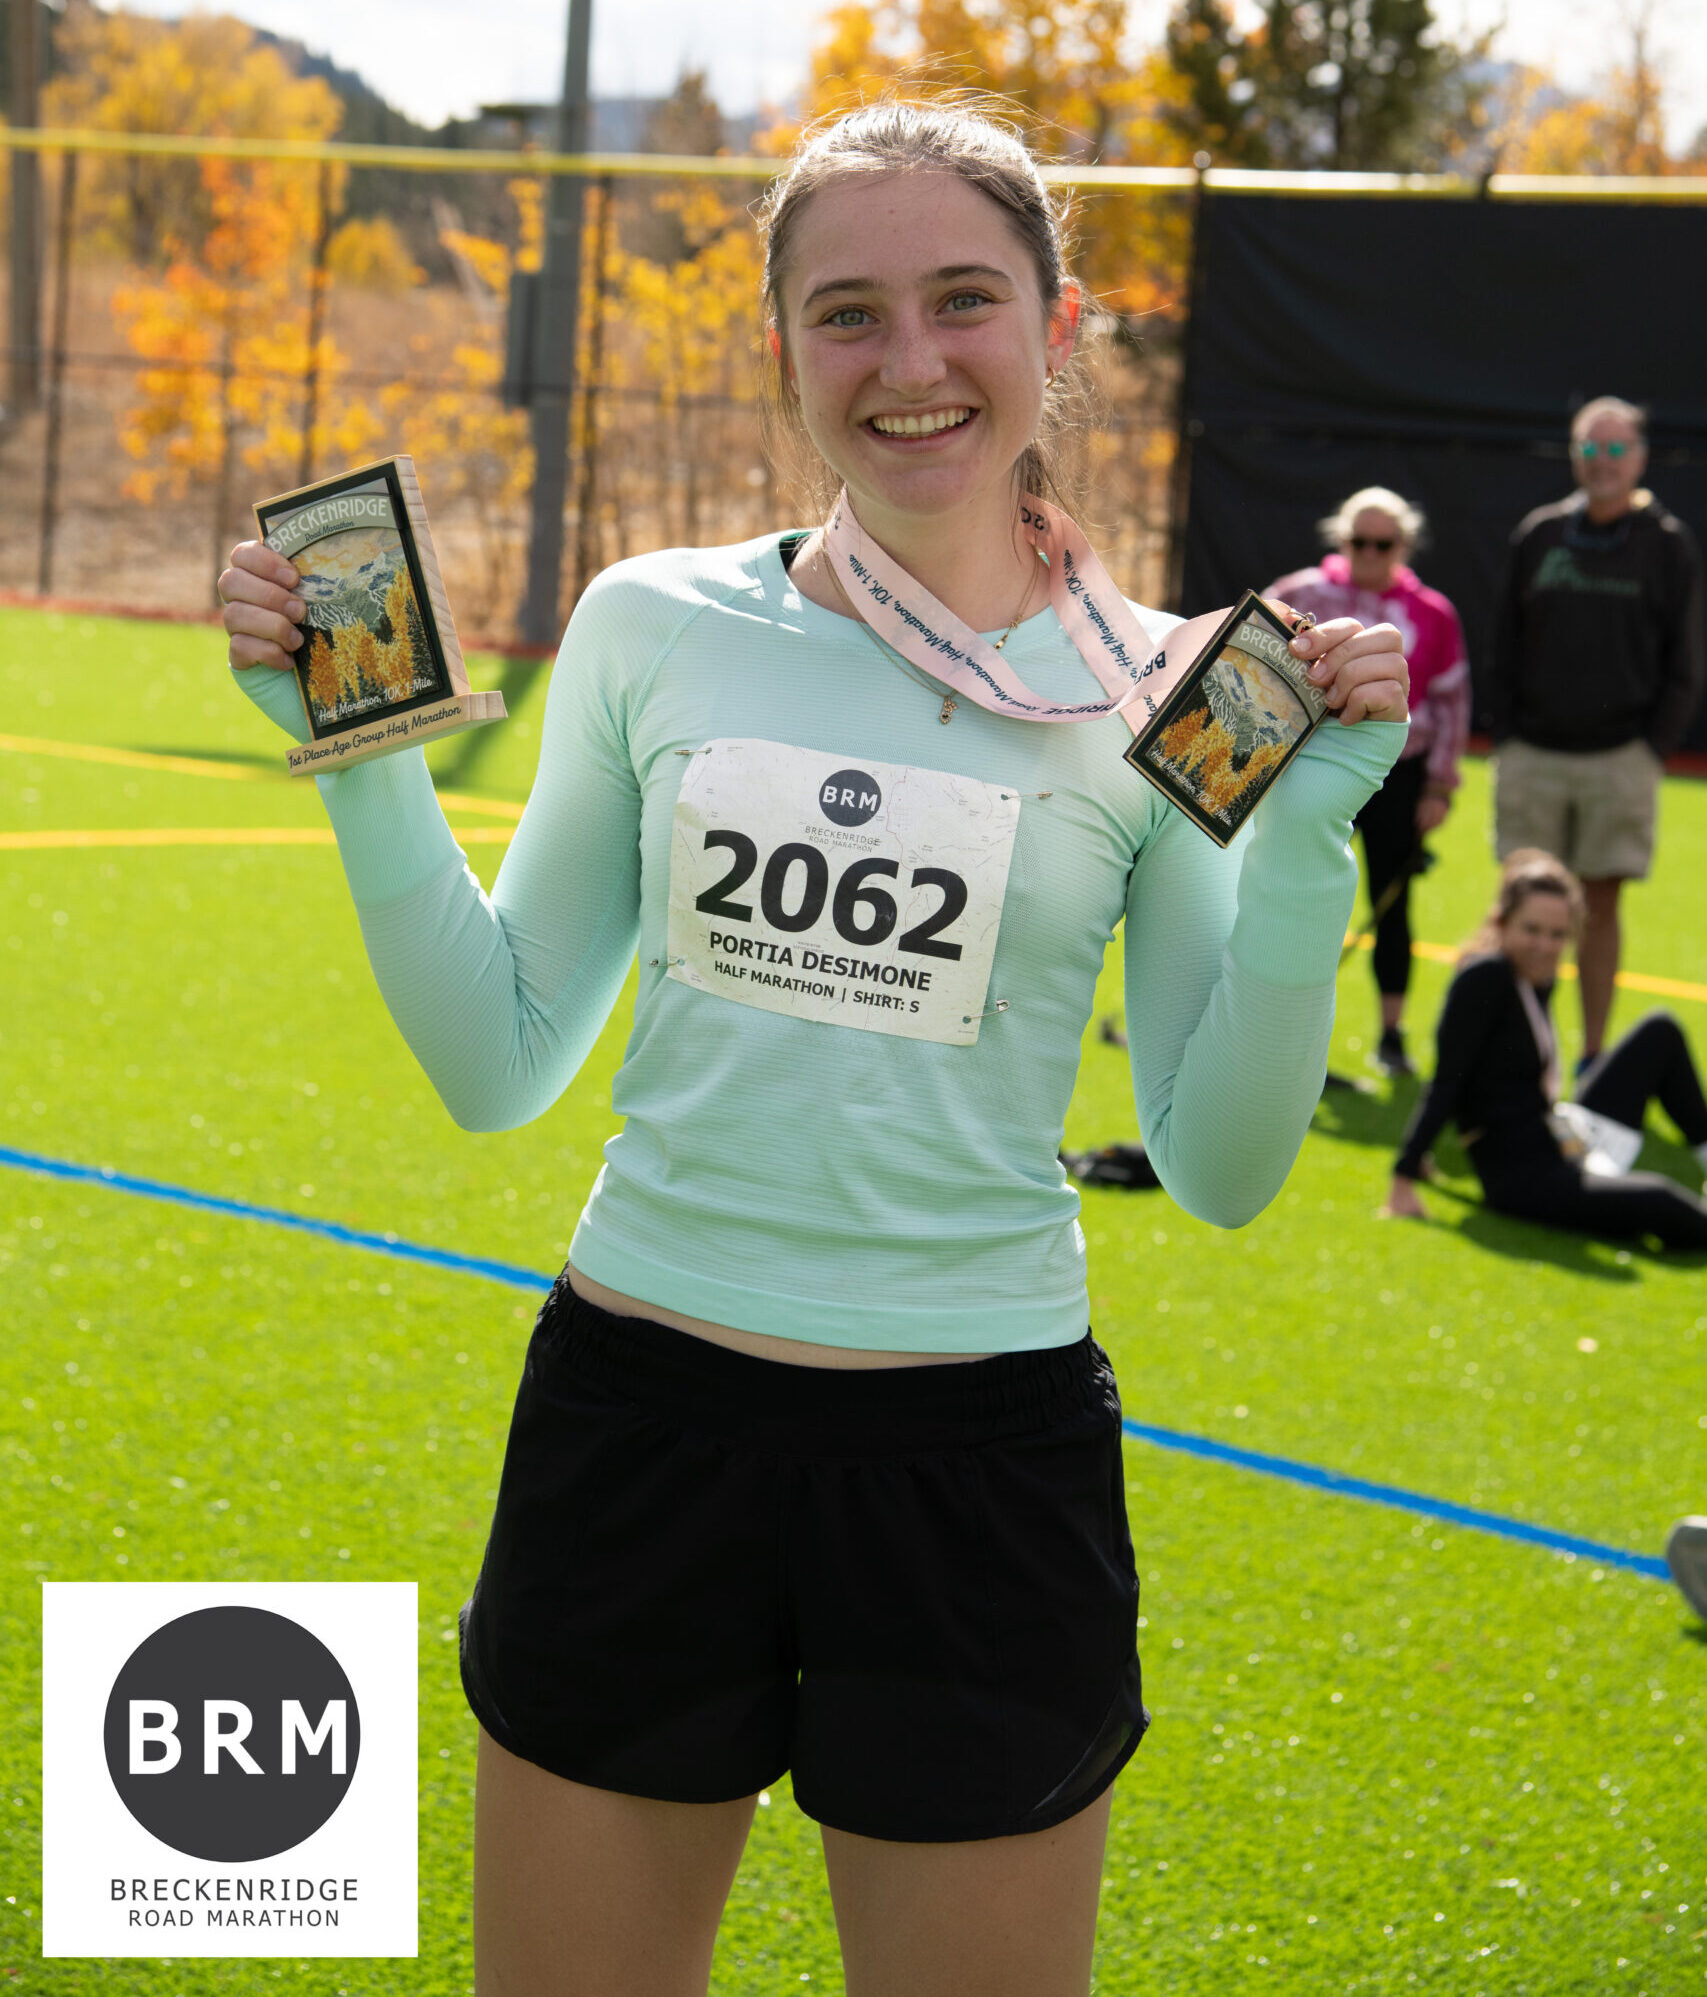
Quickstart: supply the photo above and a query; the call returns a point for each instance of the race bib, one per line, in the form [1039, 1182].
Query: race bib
[856, 894]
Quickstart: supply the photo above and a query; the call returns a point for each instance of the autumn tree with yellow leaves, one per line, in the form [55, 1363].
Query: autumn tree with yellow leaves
[1619, 129]
[671, 304]
[206, 74]
[1068, 68]
[217, 304]
[1200, 750]
[1068, 71]
[225, 331]
[354, 668]
[481, 459]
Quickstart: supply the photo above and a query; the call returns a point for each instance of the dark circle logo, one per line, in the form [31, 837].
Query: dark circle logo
[232, 1733]
[850, 797]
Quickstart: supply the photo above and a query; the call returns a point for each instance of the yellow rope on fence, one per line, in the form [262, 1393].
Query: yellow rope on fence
[667, 166]
[411, 159]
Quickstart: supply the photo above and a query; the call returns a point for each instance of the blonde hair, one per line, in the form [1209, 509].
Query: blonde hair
[1526, 871]
[976, 137]
[1407, 518]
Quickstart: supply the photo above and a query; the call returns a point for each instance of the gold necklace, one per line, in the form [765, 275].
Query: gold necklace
[949, 703]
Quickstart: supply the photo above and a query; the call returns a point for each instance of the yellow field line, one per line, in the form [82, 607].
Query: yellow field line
[206, 766]
[212, 835]
[1639, 981]
[494, 807]
[1632, 981]
[473, 835]
[500, 835]
[136, 759]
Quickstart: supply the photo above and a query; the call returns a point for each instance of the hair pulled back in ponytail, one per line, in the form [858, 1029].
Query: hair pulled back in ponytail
[1527, 871]
[977, 137]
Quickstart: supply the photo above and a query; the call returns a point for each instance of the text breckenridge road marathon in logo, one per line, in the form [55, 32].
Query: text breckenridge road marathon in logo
[218, 1900]
[188, 1723]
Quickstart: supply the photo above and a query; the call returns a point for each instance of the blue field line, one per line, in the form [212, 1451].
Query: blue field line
[1392, 1494]
[1164, 1438]
[326, 1230]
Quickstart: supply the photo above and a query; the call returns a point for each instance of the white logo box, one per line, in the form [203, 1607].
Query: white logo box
[349, 1889]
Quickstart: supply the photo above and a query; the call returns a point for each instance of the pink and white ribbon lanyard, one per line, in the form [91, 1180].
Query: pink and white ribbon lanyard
[1136, 674]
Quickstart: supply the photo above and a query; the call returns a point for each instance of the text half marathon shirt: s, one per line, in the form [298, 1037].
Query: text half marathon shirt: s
[802, 1153]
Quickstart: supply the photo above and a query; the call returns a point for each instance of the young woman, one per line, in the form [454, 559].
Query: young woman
[814, 1464]
[1367, 577]
[1497, 1078]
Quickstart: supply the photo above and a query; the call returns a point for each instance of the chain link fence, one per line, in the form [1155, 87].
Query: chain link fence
[223, 320]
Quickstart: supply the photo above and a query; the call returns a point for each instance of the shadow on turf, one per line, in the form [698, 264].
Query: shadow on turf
[250, 758]
[1380, 1120]
[1377, 1117]
[517, 677]
[1525, 1241]
[457, 774]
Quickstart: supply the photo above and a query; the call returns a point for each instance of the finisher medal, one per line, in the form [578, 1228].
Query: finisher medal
[1216, 711]
[1242, 711]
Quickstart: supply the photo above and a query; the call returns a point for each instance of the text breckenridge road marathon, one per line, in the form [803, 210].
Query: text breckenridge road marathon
[219, 1900]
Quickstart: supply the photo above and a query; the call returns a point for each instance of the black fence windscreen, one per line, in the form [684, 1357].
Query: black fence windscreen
[1438, 347]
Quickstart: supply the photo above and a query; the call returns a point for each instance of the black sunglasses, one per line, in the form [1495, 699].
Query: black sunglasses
[1382, 546]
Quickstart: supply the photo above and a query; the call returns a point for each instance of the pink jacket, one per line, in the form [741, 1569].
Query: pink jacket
[1434, 646]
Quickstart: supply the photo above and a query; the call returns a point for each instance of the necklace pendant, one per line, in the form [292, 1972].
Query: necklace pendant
[948, 705]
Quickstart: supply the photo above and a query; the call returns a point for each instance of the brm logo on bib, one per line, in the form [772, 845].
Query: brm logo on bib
[866, 896]
[849, 797]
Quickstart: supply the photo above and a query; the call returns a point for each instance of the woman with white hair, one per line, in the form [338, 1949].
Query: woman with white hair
[1366, 577]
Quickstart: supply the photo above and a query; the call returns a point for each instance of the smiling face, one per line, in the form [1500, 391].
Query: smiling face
[1535, 934]
[917, 341]
[1373, 565]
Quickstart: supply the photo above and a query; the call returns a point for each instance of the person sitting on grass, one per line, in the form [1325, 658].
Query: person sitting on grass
[1497, 1077]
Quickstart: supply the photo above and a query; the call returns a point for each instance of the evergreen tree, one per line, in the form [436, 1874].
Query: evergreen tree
[1342, 84]
[688, 121]
[420, 653]
[1213, 60]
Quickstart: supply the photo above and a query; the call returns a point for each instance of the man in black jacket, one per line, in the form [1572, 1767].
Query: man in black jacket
[1596, 671]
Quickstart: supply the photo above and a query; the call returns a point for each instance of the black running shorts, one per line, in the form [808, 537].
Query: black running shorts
[913, 1587]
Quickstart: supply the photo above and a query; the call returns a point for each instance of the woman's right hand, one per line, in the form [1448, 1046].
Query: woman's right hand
[262, 616]
[1403, 1201]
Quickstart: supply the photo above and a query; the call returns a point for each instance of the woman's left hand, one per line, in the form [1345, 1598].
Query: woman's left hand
[1403, 1202]
[1361, 670]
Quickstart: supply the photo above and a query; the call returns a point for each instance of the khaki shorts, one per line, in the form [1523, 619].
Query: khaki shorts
[1595, 810]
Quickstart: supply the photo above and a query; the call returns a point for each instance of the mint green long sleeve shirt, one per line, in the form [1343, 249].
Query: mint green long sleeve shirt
[815, 1180]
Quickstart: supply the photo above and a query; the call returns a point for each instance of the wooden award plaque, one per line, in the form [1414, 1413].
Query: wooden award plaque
[379, 667]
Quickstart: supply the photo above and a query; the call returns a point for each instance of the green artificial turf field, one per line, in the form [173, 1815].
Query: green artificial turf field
[1388, 1753]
